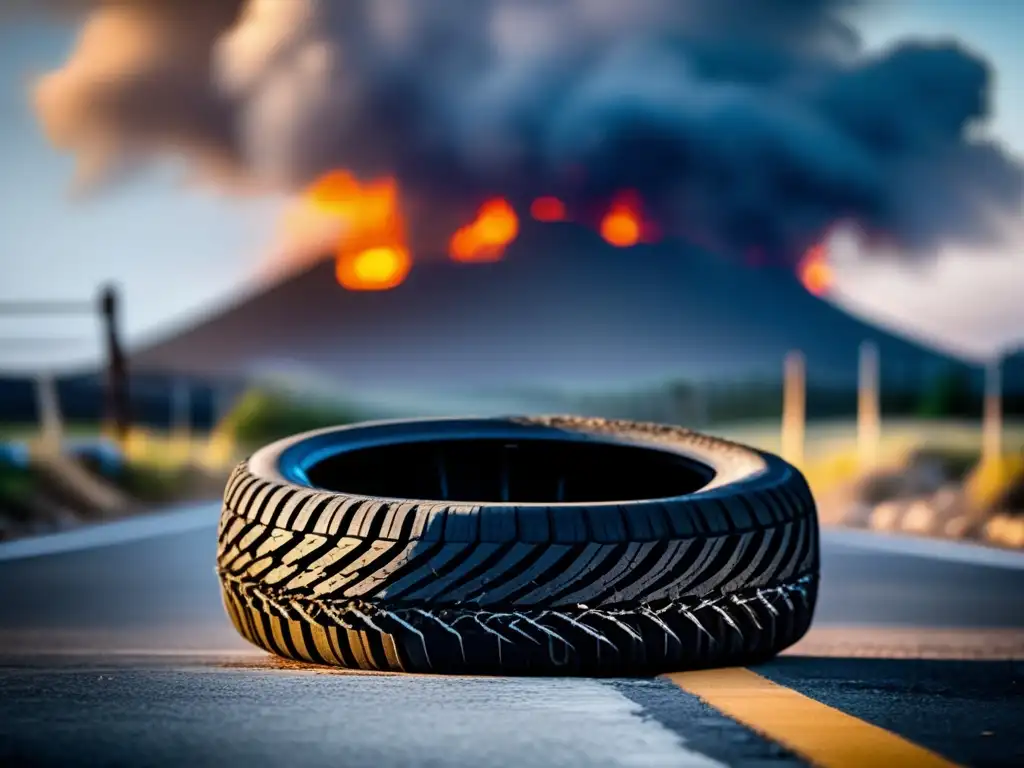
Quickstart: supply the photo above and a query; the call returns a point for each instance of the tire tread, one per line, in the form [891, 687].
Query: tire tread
[300, 566]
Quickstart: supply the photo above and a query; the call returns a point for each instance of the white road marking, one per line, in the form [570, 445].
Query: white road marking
[613, 729]
[933, 549]
[386, 720]
[180, 520]
[552, 721]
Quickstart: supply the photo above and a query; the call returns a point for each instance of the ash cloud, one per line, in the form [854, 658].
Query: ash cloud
[743, 123]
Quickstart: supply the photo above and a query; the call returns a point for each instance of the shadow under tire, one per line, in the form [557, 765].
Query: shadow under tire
[540, 545]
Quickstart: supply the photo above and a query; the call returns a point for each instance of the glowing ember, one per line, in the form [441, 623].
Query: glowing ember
[365, 207]
[496, 225]
[332, 190]
[622, 225]
[371, 254]
[814, 271]
[375, 269]
[548, 209]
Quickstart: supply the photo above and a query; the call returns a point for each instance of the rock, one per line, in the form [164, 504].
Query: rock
[1005, 530]
[954, 465]
[919, 478]
[953, 515]
[919, 517]
[958, 527]
[923, 477]
[887, 516]
[948, 499]
[857, 515]
[877, 487]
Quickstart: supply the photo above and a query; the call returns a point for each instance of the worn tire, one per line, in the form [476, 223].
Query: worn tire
[724, 574]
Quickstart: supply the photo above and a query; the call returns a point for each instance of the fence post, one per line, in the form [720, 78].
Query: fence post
[868, 407]
[794, 408]
[992, 418]
[51, 423]
[117, 405]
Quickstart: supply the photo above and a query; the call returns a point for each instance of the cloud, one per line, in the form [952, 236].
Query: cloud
[742, 123]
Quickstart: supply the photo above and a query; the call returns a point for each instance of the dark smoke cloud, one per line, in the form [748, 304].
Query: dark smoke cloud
[743, 123]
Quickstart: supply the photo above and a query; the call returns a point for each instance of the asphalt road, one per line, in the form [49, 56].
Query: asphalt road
[115, 650]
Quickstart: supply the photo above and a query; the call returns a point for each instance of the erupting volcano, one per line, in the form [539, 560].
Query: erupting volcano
[563, 310]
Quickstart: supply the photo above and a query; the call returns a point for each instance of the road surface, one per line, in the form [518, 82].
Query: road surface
[115, 650]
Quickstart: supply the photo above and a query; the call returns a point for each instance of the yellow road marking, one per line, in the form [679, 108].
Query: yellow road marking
[820, 734]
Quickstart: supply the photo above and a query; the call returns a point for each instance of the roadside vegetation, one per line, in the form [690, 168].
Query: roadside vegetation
[936, 452]
[17, 487]
[262, 416]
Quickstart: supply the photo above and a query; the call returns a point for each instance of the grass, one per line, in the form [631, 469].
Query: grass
[898, 436]
[990, 482]
[158, 461]
[156, 484]
[16, 485]
[263, 416]
[831, 458]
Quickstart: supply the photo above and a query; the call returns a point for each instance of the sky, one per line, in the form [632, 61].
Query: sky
[178, 252]
[968, 303]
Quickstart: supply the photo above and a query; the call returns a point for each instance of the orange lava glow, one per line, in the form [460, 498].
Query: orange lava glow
[372, 254]
[333, 190]
[548, 209]
[622, 225]
[814, 271]
[375, 269]
[486, 238]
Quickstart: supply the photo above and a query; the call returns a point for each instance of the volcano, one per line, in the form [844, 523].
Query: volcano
[563, 311]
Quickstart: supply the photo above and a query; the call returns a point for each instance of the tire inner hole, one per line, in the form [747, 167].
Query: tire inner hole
[518, 471]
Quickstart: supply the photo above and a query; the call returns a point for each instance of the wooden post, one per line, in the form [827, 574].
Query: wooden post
[868, 407]
[51, 424]
[117, 405]
[992, 419]
[794, 408]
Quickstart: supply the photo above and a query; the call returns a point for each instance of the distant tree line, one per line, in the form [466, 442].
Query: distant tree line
[262, 416]
[82, 400]
[948, 394]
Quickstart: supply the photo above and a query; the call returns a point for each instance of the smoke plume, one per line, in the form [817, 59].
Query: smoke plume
[742, 123]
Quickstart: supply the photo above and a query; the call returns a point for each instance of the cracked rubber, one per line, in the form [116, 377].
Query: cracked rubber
[723, 576]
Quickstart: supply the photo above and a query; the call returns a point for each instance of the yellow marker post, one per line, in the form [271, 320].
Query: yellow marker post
[794, 406]
[992, 420]
[869, 430]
